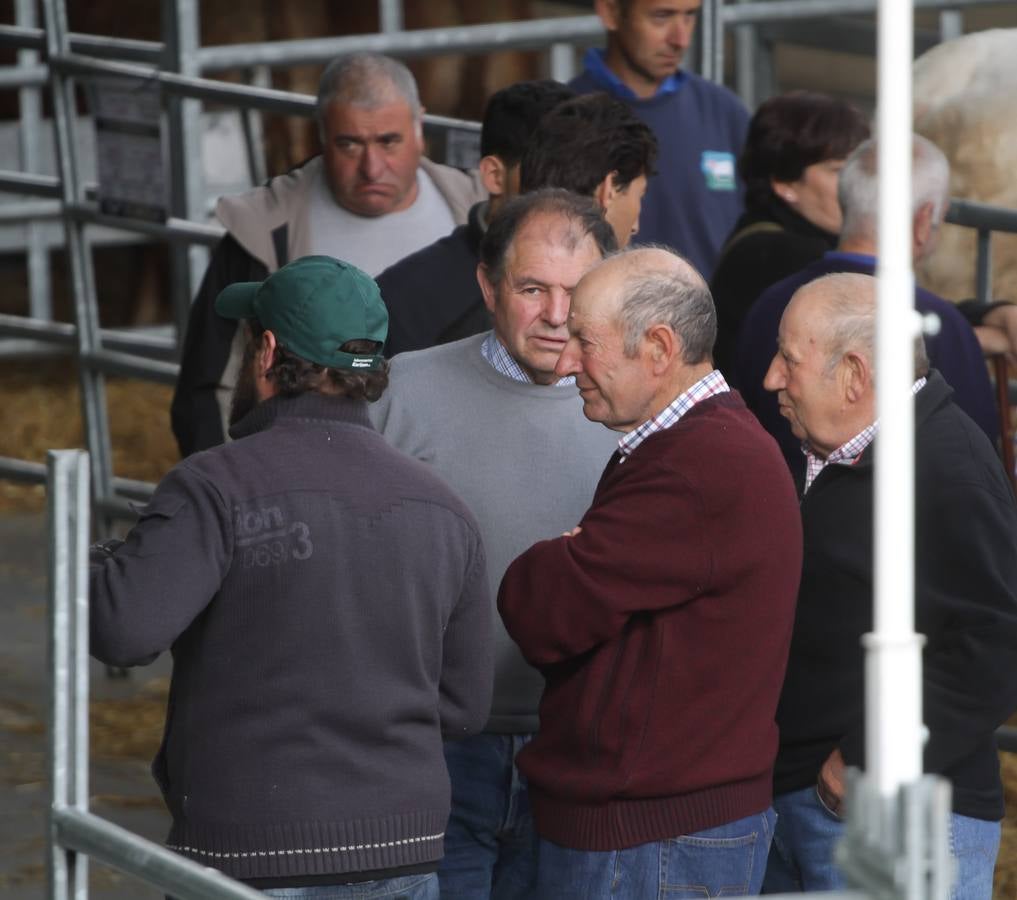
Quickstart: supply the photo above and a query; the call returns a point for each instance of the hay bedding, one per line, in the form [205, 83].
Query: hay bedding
[41, 410]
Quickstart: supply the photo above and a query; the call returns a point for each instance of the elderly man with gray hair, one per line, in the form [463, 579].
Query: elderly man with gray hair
[661, 622]
[965, 567]
[370, 199]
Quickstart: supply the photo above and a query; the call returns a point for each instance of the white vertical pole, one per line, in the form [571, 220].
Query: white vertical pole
[893, 666]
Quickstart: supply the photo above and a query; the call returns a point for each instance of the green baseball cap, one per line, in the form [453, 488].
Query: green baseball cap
[314, 305]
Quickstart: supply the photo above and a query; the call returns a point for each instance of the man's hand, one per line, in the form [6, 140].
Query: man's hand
[998, 332]
[573, 532]
[830, 785]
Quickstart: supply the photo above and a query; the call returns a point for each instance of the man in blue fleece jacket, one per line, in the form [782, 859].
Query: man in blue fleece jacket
[695, 198]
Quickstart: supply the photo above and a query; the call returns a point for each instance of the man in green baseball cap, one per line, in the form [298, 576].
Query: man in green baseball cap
[327, 603]
[317, 323]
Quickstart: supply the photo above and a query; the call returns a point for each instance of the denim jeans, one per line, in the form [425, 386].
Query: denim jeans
[801, 858]
[490, 845]
[407, 887]
[727, 861]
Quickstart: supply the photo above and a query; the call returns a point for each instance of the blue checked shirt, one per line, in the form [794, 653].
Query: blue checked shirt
[708, 386]
[504, 363]
[847, 453]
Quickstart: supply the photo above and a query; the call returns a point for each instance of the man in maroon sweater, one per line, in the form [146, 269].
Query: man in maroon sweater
[662, 621]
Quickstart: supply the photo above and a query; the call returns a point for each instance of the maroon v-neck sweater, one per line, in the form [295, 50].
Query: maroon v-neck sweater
[662, 630]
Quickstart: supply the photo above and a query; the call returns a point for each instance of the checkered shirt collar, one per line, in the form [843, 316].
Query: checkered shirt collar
[504, 363]
[708, 386]
[847, 453]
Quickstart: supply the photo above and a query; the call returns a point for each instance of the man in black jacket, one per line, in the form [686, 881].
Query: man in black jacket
[325, 599]
[965, 591]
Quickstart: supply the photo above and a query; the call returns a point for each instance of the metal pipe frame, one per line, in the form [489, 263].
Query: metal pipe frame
[40, 294]
[65, 334]
[30, 185]
[74, 834]
[86, 307]
[172, 229]
[238, 95]
[108, 843]
[180, 31]
[782, 10]
[390, 16]
[26, 38]
[983, 266]
[532, 35]
[68, 506]
[113, 362]
[29, 472]
[971, 214]
[22, 76]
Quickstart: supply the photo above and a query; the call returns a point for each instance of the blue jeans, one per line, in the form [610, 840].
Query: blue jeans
[727, 861]
[407, 887]
[801, 858]
[490, 844]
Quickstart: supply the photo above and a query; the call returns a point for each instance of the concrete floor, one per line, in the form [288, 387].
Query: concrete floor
[122, 789]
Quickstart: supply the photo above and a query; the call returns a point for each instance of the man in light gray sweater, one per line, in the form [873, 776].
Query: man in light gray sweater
[491, 417]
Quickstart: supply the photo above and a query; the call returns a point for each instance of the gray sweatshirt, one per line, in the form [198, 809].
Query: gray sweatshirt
[522, 456]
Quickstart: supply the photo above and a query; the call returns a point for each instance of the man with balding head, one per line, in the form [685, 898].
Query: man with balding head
[661, 622]
[965, 590]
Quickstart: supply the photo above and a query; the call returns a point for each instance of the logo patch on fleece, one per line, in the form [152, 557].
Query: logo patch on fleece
[718, 166]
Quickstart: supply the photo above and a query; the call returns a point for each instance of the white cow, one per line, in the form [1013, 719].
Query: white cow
[965, 101]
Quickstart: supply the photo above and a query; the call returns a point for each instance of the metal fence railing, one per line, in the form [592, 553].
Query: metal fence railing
[76, 835]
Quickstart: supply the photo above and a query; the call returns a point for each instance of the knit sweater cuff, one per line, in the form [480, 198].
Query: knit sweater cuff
[304, 848]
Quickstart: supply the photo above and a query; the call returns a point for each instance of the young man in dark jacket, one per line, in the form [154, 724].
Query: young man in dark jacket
[326, 602]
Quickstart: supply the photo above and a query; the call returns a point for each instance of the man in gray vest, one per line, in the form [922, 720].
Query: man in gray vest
[370, 198]
[491, 417]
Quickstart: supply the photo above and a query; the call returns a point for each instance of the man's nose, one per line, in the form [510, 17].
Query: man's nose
[681, 32]
[568, 362]
[372, 162]
[556, 307]
[775, 377]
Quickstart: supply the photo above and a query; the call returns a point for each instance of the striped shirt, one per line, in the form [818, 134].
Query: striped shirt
[707, 386]
[505, 364]
[847, 453]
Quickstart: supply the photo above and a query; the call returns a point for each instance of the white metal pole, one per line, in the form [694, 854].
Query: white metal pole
[893, 672]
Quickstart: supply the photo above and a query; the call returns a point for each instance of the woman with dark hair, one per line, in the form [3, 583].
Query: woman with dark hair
[795, 148]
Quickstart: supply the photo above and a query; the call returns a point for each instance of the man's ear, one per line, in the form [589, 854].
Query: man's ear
[265, 355]
[486, 288]
[606, 192]
[609, 13]
[663, 345]
[418, 131]
[856, 375]
[922, 226]
[493, 174]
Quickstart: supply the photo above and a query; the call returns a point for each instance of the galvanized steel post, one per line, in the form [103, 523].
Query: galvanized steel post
[68, 501]
[180, 20]
[86, 307]
[29, 141]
